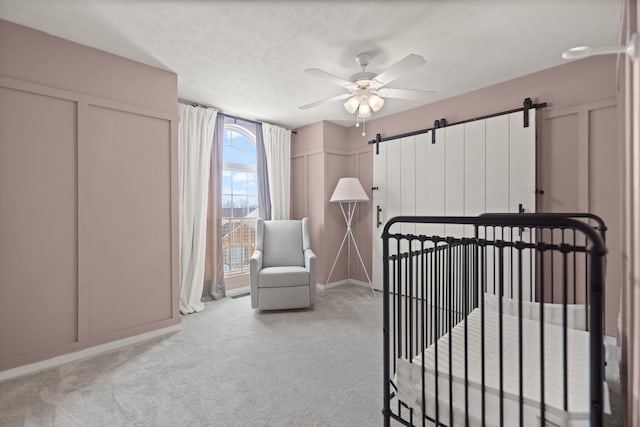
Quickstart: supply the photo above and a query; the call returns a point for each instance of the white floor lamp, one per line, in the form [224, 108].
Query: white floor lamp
[349, 192]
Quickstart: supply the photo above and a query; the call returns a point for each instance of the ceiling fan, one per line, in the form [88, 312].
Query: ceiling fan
[365, 90]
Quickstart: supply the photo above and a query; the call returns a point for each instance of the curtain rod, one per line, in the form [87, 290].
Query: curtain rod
[230, 116]
[439, 124]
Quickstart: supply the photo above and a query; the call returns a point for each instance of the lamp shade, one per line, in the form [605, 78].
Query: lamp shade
[349, 190]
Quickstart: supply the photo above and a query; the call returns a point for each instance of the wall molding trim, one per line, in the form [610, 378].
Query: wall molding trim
[552, 113]
[325, 286]
[359, 283]
[306, 153]
[341, 152]
[85, 99]
[86, 353]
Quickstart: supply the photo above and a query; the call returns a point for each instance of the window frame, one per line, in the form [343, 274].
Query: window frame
[240, 167]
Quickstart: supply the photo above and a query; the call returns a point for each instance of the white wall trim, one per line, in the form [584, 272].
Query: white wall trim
[552, 113]
[609, 340]
[238, 291]
[360, 283]
[325, 286]
[87, 352]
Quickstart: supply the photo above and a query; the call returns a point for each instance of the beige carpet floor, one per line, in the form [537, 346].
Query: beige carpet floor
[229, 366]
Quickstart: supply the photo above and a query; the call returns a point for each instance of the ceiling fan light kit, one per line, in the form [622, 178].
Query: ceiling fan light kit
[375, 102]
[352, 104]
[366, 89]
[364, 111]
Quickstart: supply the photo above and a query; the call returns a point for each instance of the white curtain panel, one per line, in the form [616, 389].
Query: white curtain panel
[195, 137]
[277, 145]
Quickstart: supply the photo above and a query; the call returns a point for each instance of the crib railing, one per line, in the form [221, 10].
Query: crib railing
[544, 267]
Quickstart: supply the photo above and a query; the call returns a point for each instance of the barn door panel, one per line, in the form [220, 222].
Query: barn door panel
[454, 169]
[475, 171]
[522, 198]
[430, 181]
[380, 209]
[408, 183]
[481, 166]
[522, 171]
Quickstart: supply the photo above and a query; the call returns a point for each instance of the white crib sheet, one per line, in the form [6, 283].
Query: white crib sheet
[409, 377]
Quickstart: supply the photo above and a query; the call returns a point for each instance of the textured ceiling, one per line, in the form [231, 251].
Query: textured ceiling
[248, 58]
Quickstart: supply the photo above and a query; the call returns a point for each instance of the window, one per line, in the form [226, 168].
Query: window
[239, 177]
[239, 195]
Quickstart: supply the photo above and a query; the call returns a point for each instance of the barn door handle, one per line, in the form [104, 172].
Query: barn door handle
[520, 211]
[378, 210]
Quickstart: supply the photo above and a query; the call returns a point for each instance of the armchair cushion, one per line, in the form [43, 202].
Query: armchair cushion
[274, 277]
[282, 244]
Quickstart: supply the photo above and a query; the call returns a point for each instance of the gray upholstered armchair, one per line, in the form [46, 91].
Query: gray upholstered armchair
[283, 267]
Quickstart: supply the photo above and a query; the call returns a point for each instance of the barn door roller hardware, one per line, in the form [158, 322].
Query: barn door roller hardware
[526, 106]
[437, 125]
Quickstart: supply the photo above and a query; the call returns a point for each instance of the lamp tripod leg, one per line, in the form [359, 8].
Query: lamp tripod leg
[362, 263]
[344, 239]
[348, 217]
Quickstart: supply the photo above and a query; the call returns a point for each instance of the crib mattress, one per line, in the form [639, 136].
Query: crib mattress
[409, 377]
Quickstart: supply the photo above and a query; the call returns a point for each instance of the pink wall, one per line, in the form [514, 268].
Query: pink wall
[574, 83]
[579, 151]
[88, 197]
[37, 57]
[319, 158]
[578, 146]
[307, 165]
[630, 295]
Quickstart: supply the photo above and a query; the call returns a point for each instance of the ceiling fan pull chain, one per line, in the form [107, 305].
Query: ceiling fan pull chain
[363, 123]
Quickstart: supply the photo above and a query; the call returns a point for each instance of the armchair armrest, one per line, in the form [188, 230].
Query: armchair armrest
[310, 264]
[255, 265]
[309, 259]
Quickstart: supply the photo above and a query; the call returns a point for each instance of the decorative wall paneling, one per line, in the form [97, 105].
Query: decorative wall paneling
[570, 86]
[317, 163]
[88, 219]
[580, 170]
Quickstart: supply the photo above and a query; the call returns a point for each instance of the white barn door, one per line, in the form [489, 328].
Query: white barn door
[476, 167]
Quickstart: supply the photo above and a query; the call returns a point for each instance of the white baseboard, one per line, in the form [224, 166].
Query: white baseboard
[87, 352]
[325, 286]
[238, 291]
[609, 340]
[360, 283]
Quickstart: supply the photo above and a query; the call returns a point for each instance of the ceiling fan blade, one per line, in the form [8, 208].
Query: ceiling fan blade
[417, 95]
[326, 101]
[399, 68]
[328, 77]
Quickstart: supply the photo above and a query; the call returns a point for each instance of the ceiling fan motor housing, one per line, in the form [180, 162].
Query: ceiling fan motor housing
[363, 59]
[363, 76]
